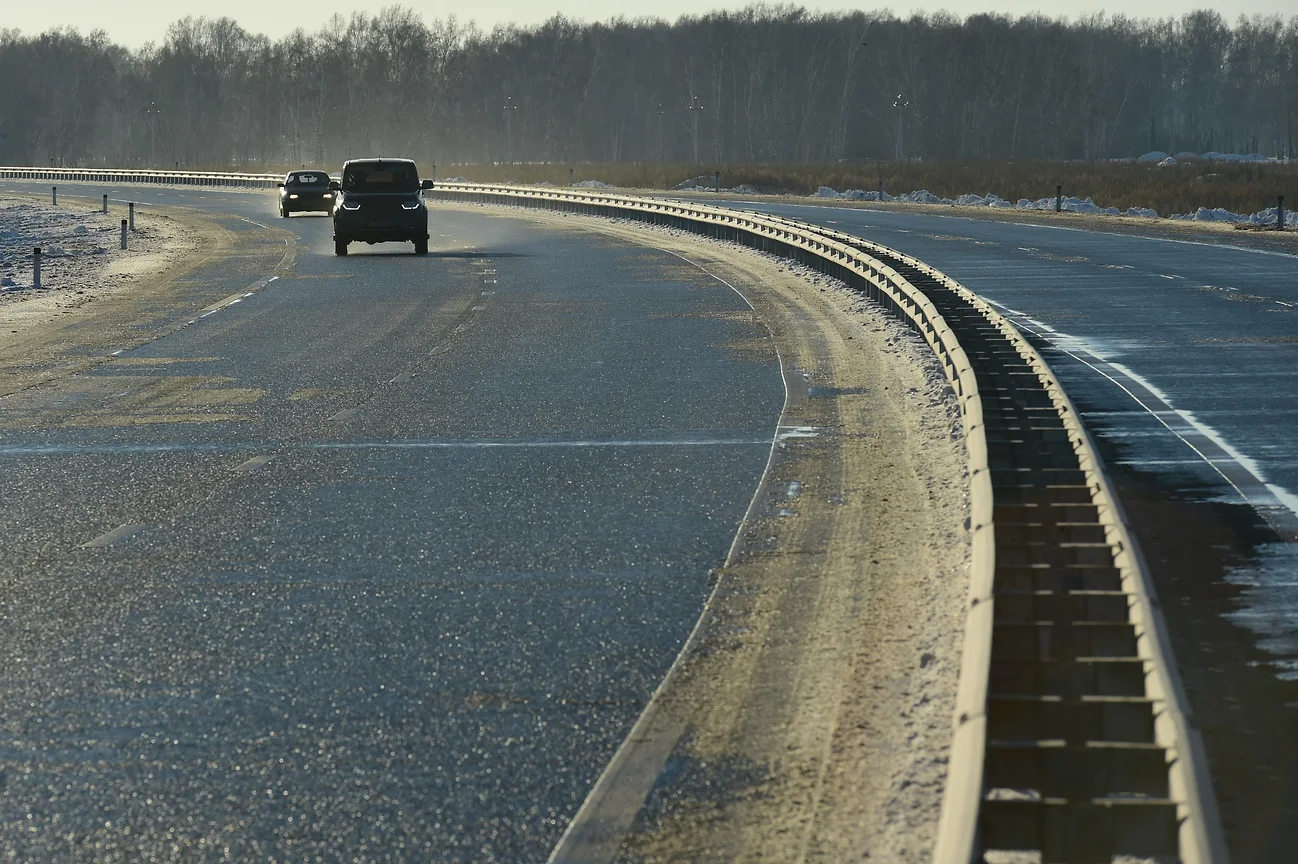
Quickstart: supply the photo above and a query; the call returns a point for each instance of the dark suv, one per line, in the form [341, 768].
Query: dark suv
[380, 200]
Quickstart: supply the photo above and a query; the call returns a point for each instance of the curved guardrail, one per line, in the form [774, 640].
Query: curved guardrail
[1072, 736]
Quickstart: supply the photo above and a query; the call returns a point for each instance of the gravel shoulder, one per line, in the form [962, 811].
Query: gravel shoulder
[809, 718]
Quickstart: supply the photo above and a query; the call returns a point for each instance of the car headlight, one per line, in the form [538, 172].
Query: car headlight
[292, 196]
[348, 206]
[409, 205]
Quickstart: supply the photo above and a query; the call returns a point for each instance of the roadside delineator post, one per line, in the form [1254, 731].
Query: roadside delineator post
[1279, 214]
[130, 208]
[123, 233]
[716, 182]
[54, 195]
[105, 203]
[1059, 197]
[569, 176]
[36, 267]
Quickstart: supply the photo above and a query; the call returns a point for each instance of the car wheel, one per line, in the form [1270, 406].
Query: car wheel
[283, 211]
[340, 246]
[421, 246]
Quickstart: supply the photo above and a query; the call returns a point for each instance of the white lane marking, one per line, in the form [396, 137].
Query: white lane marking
[1277, 505]
[252, 464]
[404, 376]
[535, 443]
[787, 432]
[108, 538]
[412, 444]
[238, 296]
[440, 349]
[476, 308]
[345, 414]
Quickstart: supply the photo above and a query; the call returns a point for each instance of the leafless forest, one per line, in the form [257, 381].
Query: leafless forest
[768, 84]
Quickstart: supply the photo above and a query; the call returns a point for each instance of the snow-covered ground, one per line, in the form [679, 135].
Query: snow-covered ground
[81, 255]
[1161, 158]
[63, 235]
[1068, 204]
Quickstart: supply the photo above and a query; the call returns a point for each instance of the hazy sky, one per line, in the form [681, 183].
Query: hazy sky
[135, 22]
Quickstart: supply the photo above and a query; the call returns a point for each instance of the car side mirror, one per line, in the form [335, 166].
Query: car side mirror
[280, 185]
[335, 186]
[426, 184]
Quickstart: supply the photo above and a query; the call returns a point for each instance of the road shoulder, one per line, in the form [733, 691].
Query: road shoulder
[123, 301]
[809, 718]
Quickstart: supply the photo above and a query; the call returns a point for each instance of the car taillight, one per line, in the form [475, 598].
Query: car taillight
[349, 206]
[409, 205]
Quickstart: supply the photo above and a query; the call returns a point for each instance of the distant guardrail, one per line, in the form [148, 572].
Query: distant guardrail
[156, 178]
[1073, 737]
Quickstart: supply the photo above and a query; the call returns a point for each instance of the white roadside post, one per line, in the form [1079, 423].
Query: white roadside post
[36, 267]
[123, 233]
[130, 208]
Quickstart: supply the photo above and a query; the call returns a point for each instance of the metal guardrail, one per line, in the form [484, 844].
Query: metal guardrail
[1072, 736]
[157, 178]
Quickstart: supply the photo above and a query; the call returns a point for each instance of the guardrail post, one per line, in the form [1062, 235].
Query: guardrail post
[716, 182]
[105, 210]
[1059, 198]
[1279, 214]
[130, 209]
[36, 267]
[54, 195]
[123, 233]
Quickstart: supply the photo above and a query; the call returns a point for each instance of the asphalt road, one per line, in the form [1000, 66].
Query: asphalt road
[385, 559]
[1183, 359]
[1178, 354]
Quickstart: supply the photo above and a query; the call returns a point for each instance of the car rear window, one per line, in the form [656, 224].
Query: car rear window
[307, 179]
[381, 177]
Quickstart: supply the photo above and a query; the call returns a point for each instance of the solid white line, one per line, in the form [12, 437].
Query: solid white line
[540, 443]
[1264, 496]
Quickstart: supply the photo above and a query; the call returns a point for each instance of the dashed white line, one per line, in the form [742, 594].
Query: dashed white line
[108, 538]
[253, 464]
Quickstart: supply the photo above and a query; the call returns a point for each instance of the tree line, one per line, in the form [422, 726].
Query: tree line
[764, 84]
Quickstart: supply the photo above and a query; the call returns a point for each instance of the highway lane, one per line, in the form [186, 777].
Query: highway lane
[394, 550]
[1182, 357]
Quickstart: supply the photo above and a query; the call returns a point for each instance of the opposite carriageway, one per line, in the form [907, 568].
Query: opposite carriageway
[1072, 738]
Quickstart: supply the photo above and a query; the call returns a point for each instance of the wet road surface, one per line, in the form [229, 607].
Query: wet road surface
[381, 562]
